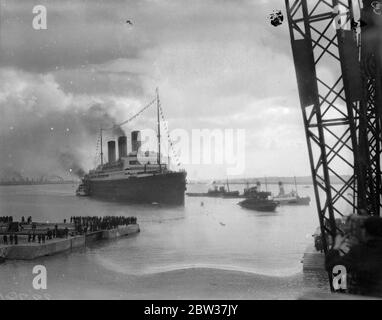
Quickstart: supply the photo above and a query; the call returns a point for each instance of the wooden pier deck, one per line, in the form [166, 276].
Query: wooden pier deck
[313, 260]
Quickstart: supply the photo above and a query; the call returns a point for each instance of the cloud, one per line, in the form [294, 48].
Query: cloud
[47, 131]
[217, 65]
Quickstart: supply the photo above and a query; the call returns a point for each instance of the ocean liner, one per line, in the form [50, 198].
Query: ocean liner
[135, 176]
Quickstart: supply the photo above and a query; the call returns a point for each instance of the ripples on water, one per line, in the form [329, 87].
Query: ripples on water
[217, 235]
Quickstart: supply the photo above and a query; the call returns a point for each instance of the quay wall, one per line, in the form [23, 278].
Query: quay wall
[93, 236]
[77, 242]
[31, 251]
[120, 231]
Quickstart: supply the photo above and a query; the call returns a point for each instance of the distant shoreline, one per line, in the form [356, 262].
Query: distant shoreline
[251, 183]
[36, 183]
[302, 180]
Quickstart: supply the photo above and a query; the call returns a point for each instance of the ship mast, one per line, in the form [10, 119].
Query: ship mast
[101, 148]
[157, 92]
[295, 183]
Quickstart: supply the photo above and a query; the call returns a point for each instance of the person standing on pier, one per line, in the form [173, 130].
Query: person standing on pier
[49, 234]
[5, 239]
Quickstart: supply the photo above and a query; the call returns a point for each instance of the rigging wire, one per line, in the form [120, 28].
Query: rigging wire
[133, 117]
[96, 156]
[175, 155]
[121, 124]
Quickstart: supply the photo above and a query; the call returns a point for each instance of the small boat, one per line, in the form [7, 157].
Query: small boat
[258, 200]
[231, 194]
[82, 191]
[213, 193]
[291, 198]
[259, 204]
[196, 194]
[216, 192]
[254, 192]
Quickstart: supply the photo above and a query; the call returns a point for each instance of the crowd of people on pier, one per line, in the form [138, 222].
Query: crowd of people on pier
[9, 219]
[12, 230]
[13, 238]
[6, 219]
[91, 224]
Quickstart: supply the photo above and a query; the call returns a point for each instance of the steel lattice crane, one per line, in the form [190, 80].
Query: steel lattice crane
[338, 68]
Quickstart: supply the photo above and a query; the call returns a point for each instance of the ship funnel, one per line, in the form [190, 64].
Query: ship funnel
[281, 187]
[111, 151]
[122, 146]
[135, 141]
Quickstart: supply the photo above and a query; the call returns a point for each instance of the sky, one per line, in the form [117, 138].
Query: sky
[219, 65]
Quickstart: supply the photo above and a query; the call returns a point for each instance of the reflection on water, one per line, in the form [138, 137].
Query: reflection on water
[220, 234]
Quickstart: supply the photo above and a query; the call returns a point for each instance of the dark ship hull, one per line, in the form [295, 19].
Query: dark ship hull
[164, 188]
[259, 205]
[226, 194]
[298, 201]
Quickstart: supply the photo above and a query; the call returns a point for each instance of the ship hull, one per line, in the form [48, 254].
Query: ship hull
[259, 205]
[164, 188]
[298, 201]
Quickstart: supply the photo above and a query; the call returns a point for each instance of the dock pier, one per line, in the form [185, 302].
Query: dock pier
[313, 260]
[29, 250]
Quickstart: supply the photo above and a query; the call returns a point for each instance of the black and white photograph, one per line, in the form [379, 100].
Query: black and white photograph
[200, 151]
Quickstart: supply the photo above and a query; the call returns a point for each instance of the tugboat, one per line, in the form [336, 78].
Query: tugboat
[231, 194]
[82, 191]
[291, 198]
[216, 192]
[258, 200]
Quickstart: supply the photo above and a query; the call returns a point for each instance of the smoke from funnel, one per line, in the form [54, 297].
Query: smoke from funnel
[71, 164]
[117, 131]
[45, 131]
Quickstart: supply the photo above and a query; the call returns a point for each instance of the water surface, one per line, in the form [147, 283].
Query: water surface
[217, 234]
